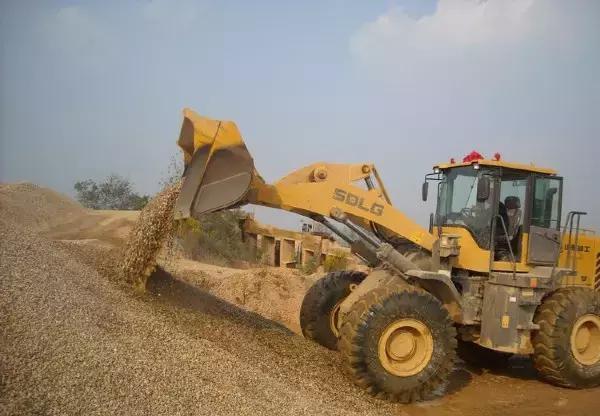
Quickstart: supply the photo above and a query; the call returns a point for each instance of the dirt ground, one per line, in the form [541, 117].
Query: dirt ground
[204, 340]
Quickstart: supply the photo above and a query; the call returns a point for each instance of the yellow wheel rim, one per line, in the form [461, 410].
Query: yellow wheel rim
[333, 319]
[335, 314]
[585, 339]
[405, 347]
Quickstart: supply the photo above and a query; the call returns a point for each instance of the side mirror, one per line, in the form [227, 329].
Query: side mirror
[483, 189]
[425, 190]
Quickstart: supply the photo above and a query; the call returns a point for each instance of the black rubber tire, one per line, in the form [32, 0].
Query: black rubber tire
[319, 302]
[362, 328]
[481, 357]
[556, 317]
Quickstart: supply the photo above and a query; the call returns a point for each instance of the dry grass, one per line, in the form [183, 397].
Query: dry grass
[216, 239]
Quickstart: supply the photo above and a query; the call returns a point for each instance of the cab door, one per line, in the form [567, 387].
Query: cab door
[544, 220]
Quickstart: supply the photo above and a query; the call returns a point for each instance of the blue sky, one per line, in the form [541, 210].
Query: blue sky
[88, 88]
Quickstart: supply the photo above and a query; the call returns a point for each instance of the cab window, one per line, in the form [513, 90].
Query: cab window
[509, 229]
[458, 204]
[546, 203]
[513, 194]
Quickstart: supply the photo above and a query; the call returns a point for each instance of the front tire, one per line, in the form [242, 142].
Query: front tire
[399, 343]
[318, 314]
[567, 345]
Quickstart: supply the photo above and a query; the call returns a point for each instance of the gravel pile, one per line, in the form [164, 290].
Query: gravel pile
[73, 342]
[274, 293]
[40, 208]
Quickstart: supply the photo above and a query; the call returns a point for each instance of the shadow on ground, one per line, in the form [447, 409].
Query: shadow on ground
[184, 295]
[172, 292]
[518, 367]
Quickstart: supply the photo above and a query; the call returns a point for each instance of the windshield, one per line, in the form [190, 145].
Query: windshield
[458, 204]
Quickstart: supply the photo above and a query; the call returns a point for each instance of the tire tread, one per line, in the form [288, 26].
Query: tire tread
[551, 358]
[314, 325]
[352, 337]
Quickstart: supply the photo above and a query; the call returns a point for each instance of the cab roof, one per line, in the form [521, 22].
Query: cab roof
[499, 163]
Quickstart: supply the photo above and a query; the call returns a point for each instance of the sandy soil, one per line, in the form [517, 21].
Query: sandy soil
[271, 292]
[204, 340]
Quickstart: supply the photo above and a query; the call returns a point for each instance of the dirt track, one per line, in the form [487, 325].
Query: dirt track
[73, 341]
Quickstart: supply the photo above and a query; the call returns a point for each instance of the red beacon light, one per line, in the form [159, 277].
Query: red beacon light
[473, 157]
[497, 157]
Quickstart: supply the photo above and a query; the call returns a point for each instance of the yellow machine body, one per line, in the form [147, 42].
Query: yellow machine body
[587, 255]
[220, 174]
[498, 269]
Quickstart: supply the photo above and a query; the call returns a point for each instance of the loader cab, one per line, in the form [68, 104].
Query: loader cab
[507, 216]
[462, 202]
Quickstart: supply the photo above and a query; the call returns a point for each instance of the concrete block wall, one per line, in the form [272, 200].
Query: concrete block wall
[289, 249]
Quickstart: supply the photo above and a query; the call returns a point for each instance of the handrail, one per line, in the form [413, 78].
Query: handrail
[571, 259]
[510, 250]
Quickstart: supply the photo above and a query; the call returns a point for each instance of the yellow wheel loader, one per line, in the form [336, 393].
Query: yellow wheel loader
[498, 272]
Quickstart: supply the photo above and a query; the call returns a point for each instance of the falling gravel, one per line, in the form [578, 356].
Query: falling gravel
[153, 228]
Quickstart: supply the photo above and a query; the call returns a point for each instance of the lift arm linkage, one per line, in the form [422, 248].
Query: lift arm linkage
[220, 174]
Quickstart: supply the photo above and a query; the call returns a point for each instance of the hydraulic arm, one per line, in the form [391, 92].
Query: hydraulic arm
[220, 174]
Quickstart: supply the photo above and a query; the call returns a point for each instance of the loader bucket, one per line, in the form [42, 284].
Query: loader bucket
[218, 167]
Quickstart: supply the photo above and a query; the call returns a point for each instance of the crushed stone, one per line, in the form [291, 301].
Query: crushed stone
[74, 342]
[149, 234]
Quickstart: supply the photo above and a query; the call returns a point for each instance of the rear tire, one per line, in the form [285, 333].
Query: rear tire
[318, 314]
[399, 343]
[567, 345]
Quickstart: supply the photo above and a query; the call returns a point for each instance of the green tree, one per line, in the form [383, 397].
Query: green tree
[88, 194]
[115, 192]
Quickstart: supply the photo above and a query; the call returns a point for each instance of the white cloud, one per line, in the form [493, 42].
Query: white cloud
[515, 76]
[456, 23]
[465, 37]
